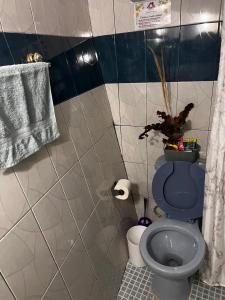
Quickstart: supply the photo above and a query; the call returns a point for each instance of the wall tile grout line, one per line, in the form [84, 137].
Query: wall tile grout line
[7, 284]
[7, 42]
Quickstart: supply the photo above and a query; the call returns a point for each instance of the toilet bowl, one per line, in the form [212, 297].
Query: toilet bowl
[173, 247]
[174, 251]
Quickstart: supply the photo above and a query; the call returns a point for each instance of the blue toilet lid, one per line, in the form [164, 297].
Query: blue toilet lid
[178, 189]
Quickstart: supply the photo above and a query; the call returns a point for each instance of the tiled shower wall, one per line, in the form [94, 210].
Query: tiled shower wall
[62, 235]
[191, 47]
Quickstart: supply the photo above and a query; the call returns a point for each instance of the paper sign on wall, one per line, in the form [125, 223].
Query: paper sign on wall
[149, 14]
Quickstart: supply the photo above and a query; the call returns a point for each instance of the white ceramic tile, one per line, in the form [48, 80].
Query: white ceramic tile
[102, 17]
[36, 175]
[107, 148]
[62, 151]
[137, 174]
[199, 11]
[199, 93]
[56, 222]
[13, 204]
[25, 260]
[94, 240]
[128, 214]
[154, 212]
[46, 16]
[16, 16]
[94, 176]
[155, 147]
[118, 257]
[139, 205]
[118, 253]
[101, 96]
[57, 290]
[202, 136]
[97, 292]
[213, 104]
[5, 292]
[155, 100]
[77, 126]
[78, 273]
[110, 218]
[132, 103]
[113, 97]
[221, 10]
[74, 18]
[109, 155]
[119, 137]
[124, 15]
[151, 173]
[78, 195]
[97, 112]
[134, 150]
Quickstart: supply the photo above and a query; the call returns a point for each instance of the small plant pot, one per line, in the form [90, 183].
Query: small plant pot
[172, 155]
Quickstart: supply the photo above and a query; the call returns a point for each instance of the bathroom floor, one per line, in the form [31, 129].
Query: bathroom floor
[136, 285]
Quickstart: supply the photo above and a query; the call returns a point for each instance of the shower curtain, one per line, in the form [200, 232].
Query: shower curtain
[213, 271]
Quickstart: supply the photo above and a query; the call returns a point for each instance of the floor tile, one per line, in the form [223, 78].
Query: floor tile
[136, 285]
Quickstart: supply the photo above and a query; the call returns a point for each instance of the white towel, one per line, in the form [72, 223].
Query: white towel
[27, 117]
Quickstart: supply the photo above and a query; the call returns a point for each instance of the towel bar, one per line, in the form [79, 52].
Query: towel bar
[34, 57]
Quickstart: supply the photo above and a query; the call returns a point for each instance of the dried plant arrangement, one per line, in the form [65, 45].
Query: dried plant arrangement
[171, 126]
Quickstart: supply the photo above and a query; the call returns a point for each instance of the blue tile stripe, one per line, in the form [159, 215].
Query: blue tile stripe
[191, 53]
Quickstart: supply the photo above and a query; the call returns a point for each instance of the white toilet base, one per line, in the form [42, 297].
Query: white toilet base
[167, 289]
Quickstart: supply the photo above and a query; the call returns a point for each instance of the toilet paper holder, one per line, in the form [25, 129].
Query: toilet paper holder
[116, 192]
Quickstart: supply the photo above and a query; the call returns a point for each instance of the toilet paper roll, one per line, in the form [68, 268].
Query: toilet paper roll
[123, 187]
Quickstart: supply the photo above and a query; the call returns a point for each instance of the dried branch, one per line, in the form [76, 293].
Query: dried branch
[162, 76]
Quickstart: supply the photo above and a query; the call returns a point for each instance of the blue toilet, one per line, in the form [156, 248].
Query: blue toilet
[173, 247]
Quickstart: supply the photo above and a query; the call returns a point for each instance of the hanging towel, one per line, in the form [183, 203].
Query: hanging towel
[27, 118]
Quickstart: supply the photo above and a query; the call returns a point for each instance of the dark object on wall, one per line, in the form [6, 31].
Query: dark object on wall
[171, 127]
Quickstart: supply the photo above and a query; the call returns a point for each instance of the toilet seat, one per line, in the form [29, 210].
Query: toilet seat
[178, 189]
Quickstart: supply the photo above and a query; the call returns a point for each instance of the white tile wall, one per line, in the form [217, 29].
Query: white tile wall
[25, 260]
[77, 125]
[199, 93]
[46, 16]
[134, 150]
[132, 103]
[50, 205]
[213, 104]
[57, 290]
[137, 174]
[200, 11]
[102, 16]
[124, 15]
[13, 204]
[5, 291]
[64, 18]
[36, 175]
[16, 16]
[56, 222]
[142, 157]
[113, 96]
[155, 100]
[62, 151]
[189, 12]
